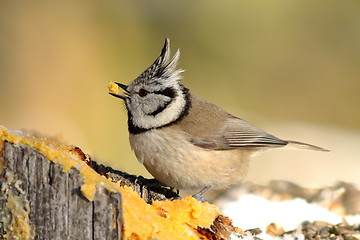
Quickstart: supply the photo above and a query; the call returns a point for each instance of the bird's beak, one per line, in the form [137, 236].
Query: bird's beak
[114, 88]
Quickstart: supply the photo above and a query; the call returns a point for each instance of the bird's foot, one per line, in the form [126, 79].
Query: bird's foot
[198, 196]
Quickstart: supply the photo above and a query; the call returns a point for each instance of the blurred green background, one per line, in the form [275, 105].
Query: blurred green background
[289, 67]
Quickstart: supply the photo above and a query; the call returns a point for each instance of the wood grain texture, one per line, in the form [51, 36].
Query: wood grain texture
[51, 201]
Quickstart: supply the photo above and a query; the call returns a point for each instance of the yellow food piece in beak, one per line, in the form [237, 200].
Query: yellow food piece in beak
[113, 87]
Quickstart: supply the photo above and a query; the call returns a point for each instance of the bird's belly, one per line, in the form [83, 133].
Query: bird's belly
[176, 162]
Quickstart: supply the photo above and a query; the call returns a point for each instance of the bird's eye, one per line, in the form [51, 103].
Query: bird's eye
[143, 92]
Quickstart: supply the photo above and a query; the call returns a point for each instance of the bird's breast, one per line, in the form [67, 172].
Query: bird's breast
[173, 160]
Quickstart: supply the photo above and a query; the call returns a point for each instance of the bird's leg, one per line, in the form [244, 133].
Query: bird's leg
[198, 196]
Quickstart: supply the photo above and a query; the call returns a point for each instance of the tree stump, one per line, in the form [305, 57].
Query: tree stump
[50, 190]
[39, 200]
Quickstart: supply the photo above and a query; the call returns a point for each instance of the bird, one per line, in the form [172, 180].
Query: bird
[186, 142]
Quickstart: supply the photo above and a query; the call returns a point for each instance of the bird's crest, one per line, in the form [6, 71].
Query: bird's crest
[163, 67]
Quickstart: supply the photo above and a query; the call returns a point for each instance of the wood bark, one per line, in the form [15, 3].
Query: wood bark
[38, 200]
[53, 205]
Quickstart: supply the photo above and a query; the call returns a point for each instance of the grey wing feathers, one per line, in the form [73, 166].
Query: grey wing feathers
[254, 139]
[239, 133]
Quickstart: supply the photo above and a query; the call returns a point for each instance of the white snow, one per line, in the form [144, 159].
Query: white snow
[251, 211]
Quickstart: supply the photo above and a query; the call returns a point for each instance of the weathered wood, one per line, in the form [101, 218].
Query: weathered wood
[148, 189]
[51, 202]
[38, 200]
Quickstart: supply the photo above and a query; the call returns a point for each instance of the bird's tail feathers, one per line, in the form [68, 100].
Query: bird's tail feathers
[301, 145]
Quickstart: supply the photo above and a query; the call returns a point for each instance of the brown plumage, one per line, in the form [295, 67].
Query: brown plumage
[184, 141]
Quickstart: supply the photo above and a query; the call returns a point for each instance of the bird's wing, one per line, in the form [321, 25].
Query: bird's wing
[237, 133]
[210, 127]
